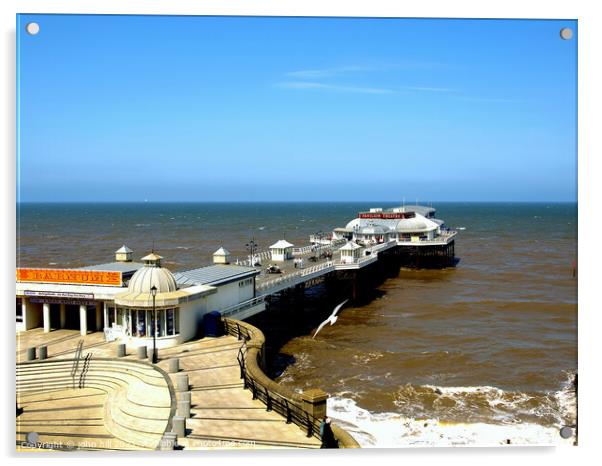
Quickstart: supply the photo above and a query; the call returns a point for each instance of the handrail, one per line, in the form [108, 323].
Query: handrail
[242, 306]
[251, 358]
[86, 366]
[76, 358]
[292, 276]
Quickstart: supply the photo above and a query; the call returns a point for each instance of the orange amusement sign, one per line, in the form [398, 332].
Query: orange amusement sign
[78, 277]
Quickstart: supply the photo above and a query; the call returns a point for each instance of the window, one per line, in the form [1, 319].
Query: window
[247, 282]
[170, 318]
[140, 322]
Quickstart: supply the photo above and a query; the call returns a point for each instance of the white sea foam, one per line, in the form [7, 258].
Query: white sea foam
[391, 430]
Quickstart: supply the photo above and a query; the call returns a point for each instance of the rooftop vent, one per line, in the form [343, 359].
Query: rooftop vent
[221, 256]
[123, 254]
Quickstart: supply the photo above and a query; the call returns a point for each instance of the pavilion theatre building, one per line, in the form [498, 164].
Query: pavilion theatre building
[120, 298]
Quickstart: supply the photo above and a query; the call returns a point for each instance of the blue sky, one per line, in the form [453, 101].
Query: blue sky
[127, 108]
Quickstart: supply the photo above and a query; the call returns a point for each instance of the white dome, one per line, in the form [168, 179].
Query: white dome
[372, 230]
[148, 276]
[355, 223]
[416, 224]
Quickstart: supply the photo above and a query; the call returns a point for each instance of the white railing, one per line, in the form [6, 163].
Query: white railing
[262, 256]
[304, 250]
[444, 237]
[242, 306]
[277, 281]
[316, 268]
[296, 277]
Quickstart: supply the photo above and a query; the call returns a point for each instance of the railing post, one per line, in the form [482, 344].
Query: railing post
[310, 426]
[253, 389]
[268, 400]
[288, 413]
[238, 330]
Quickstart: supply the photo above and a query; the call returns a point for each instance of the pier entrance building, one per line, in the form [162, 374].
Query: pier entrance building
[127, 300]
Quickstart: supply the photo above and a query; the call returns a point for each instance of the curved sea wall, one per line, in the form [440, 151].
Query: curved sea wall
[305, 409]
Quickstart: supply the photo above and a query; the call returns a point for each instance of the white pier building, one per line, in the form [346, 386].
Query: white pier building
[117, 298]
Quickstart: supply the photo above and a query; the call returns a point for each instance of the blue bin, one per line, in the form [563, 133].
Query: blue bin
[212, 324]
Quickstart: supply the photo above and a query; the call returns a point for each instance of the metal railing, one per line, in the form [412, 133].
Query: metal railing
[85, 368]
[292, 410]
[76, 358]
[251, 361]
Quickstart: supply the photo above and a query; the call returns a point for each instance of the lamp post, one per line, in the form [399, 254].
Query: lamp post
[319, 235]
[252, 248]
[153, 291]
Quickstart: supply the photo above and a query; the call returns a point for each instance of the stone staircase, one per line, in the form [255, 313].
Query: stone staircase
[137, 398]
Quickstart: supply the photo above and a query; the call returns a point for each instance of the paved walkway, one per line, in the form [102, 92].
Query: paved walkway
[64, 420]
[223, 414]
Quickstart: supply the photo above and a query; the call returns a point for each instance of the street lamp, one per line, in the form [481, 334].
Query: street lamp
[252, 248]
[318, 236]
[153, 291]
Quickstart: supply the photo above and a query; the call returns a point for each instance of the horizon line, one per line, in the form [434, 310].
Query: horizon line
[423, 203]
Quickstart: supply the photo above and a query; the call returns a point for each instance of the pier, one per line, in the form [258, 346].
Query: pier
[352, 250]
[87, 323]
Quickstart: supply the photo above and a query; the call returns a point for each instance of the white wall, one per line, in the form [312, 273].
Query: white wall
[229, 295]
[191, 318]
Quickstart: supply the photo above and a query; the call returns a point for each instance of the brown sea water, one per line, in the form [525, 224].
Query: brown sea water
[490, 344]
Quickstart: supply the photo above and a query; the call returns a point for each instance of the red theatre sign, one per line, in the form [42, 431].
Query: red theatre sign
[387, 215]
[74, 276]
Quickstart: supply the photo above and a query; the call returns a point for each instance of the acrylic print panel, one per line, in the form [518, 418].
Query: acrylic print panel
[248, 232]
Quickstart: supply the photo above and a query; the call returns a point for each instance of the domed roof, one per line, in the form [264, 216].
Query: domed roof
[152, 274]
[416, 224]
[372, 230]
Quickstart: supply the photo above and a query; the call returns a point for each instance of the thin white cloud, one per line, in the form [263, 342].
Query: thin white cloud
[322, 78]
[334, 87]
[429, 89]
[493, 100]
[328, 72]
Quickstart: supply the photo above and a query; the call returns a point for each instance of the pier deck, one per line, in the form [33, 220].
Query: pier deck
[315, 265]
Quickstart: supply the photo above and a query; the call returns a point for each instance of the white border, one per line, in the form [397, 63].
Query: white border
[590, 77]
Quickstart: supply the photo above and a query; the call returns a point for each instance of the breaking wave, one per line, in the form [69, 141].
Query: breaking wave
[393, 430]
[446, 416]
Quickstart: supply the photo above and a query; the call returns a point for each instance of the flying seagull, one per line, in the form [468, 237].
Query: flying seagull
[332, 318]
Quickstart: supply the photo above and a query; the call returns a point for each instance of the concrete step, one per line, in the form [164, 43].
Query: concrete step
[125, 427]
[136, 409]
